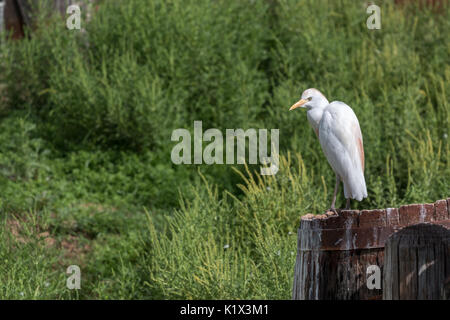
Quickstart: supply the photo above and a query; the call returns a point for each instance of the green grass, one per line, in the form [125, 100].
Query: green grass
[86, 121]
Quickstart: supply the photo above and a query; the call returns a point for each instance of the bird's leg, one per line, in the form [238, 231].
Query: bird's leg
[333, 201]
[347, 205]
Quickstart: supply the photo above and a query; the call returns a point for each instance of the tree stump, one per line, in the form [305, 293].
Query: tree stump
[417, 263]
[335, 251]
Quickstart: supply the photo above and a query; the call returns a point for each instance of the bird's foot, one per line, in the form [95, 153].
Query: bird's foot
[333, 210]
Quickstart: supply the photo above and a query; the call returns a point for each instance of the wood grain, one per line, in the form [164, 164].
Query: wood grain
[334, 251]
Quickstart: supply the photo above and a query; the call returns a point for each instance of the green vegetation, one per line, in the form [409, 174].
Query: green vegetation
[86, 120]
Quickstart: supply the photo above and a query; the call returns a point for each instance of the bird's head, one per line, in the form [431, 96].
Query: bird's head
[311, 98]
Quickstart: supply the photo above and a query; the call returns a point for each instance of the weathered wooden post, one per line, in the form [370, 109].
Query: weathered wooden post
[334, 251]
[417, 263]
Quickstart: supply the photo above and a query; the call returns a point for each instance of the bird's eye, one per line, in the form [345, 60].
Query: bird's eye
[309, 98]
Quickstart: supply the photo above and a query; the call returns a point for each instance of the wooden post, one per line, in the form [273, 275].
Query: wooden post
[417, 263]
[334, 251]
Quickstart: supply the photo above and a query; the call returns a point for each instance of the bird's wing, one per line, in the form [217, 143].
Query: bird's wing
[341, 141]
[340, 123]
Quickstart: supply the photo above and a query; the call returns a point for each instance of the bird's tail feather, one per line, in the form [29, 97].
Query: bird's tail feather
[355, 186]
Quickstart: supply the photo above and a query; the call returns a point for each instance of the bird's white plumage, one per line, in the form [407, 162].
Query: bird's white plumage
[337, 128]
[341, 141]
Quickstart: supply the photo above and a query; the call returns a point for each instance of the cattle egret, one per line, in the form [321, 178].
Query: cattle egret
[337, 128]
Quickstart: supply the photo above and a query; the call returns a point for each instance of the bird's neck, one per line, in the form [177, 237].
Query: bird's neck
[314, 116]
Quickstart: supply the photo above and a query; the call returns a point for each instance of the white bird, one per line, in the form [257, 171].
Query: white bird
[337, 128]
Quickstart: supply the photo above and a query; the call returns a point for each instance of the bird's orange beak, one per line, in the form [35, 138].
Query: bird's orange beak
[298, 104]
